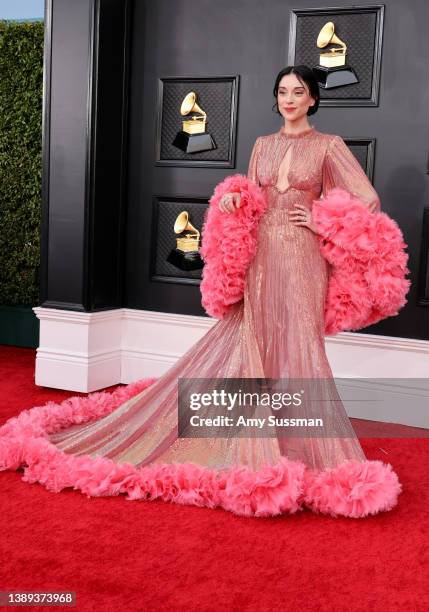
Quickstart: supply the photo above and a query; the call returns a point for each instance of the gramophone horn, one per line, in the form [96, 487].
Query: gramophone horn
[327, 36]
[182, 224]
[186, 255]
[189, 105]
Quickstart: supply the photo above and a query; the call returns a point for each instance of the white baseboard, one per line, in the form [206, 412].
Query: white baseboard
[369, 356]
[78, 351]
[401, 400]
[90, 351]
[153, 341]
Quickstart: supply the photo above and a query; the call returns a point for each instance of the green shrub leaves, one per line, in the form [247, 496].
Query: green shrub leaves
[21, 85]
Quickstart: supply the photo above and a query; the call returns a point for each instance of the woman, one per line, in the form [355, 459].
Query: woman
[127, 442]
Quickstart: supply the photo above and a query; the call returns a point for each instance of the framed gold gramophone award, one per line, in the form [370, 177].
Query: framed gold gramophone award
[343, 47]
[196, 121]
[186, 255]
[193, 137]
[175, 239]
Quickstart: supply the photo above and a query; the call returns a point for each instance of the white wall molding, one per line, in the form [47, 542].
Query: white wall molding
[353, 355]
[397, 400]
[78, 351]
[82, 351]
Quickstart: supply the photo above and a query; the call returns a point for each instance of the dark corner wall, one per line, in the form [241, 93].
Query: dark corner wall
[104, 195]
[84, 177]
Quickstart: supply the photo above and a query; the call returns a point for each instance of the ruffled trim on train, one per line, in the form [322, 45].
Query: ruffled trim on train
[353, 489]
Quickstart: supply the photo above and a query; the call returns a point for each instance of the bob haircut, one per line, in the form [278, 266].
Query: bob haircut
[304, 74]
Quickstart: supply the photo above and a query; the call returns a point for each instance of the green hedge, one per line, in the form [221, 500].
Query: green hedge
[21, 86]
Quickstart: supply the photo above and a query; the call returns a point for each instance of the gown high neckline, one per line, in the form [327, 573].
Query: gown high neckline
[301, 134]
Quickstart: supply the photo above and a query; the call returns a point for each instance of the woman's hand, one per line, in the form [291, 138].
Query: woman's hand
[303, 217]
[229, 202]
[374, 206]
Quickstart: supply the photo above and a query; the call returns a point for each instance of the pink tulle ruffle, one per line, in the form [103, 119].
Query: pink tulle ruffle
[353, 489]
[369, 263]
[229, 244]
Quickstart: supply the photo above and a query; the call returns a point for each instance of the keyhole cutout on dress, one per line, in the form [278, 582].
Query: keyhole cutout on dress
[282, 183]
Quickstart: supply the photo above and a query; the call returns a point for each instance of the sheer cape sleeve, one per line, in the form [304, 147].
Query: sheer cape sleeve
[342, 169]
[252, 172]
[364, 246]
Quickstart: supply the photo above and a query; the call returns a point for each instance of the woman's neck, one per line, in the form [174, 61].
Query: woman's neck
[295, 127]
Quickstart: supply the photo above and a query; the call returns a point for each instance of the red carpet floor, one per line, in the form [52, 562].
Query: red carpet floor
[120, 555]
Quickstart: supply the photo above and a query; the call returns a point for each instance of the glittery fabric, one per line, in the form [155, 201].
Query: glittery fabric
[277, 330]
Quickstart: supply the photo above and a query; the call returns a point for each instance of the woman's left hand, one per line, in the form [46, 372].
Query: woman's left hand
[303, 217]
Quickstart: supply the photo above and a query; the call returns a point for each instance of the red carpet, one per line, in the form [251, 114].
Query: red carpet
[122, 555]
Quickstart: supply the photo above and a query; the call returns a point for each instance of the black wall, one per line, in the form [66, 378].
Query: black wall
[100, 178]
[250, 38]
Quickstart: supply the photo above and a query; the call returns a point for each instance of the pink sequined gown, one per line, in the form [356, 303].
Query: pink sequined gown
[277, 330]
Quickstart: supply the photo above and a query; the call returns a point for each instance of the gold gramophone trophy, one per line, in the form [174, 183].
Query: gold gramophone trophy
[332, 70]
[193, 138]
[186, 255]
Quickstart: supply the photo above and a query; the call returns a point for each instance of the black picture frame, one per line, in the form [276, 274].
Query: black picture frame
[364, 151]
[218, 97]
[364, 49]
[423, 278]
[164, 211]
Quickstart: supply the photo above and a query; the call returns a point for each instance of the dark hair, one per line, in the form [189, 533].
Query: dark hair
[304, 73]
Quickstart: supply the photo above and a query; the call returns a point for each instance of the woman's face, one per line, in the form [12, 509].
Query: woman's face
[293, 98]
